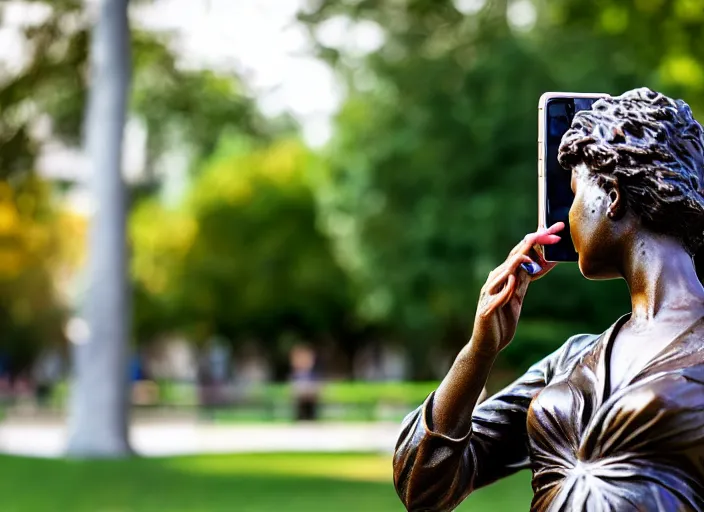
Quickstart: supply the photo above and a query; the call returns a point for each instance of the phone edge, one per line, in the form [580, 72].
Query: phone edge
[542, 185]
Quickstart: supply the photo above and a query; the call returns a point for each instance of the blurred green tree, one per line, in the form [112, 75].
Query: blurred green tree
[182, 109]
[242, 256]
[433, 159]
[37, 251]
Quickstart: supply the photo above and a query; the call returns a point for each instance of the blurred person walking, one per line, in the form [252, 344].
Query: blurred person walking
[305, 383]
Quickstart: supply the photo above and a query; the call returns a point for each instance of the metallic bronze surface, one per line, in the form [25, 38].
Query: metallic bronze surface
[609, 422]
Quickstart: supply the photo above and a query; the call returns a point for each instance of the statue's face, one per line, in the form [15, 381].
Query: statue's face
[596, 237]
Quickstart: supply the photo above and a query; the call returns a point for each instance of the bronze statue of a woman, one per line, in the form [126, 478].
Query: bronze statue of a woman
[609, 422]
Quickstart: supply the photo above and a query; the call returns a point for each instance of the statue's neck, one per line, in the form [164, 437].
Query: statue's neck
[661, 277]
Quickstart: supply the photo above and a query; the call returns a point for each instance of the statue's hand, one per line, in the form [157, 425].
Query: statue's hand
[502, 296]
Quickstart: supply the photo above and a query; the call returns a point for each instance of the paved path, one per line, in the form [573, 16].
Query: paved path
[155, 439]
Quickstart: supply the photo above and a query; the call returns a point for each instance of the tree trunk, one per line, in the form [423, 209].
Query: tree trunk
[98, 416]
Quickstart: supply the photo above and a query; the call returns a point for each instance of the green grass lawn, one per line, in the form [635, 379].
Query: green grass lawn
[241, 483]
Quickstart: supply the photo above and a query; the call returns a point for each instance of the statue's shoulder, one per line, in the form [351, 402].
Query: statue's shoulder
[575, 349]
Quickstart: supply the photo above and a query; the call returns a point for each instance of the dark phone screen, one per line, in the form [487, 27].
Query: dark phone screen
[559, 113]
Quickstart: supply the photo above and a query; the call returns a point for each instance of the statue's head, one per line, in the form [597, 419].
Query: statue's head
[637, 163]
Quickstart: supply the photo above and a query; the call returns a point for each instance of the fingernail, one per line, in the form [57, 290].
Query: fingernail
[532, 268]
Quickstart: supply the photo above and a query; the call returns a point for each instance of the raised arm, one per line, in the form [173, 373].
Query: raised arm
[447, 448]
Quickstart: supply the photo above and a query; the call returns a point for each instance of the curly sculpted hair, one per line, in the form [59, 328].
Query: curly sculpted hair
[654, 148]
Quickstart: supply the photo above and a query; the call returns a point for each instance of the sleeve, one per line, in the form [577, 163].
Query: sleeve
[434, 473]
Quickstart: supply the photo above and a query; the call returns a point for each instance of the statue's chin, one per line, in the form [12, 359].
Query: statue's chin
[596, 271]
[587, 268]
[584, 269]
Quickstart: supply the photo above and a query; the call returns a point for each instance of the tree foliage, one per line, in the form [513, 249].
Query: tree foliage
[428, 182]
[242, 256]
[433, 159]
[45, 100]
[38, 248]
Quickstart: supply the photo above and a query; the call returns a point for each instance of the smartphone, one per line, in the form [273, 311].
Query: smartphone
[555, 113]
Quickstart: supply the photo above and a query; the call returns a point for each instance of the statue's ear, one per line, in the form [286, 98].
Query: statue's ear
[617, 203]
